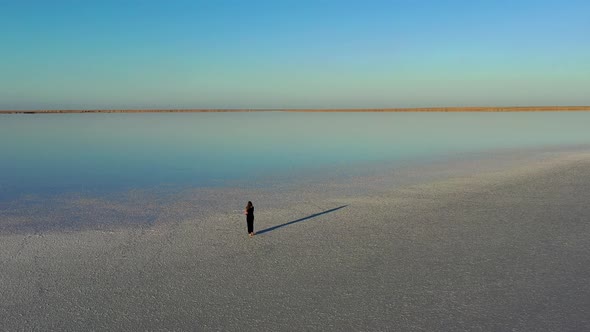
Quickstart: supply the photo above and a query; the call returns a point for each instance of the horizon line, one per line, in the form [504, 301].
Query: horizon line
[393, 109]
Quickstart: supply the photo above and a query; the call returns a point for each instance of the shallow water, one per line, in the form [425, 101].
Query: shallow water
[47, 154]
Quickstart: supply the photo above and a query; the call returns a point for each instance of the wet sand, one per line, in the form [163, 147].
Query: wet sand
[486, 248]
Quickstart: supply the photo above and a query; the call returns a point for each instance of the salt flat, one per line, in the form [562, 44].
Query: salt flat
[455, 248]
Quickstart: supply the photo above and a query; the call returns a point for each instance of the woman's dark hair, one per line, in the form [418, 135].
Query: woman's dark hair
[249, 205]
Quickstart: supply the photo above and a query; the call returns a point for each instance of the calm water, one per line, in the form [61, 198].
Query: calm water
[107, 152]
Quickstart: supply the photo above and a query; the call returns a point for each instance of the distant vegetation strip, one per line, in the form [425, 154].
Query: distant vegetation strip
[420, 109]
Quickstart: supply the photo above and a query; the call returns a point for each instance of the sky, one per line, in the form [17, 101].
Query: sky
[293, 54]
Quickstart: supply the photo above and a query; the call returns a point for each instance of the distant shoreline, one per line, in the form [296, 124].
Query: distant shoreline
[418, 109]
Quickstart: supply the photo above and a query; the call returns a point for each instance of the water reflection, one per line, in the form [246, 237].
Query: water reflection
[86, 152]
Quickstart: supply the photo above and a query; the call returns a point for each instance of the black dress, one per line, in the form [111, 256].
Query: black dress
[250, 220]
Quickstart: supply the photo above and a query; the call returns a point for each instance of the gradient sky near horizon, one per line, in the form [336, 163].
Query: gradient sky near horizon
[293, 54]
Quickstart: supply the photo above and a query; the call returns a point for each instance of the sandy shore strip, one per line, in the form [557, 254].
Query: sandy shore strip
[504, 248]
[392, 109]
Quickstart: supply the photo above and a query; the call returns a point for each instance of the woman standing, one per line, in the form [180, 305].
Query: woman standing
[249, 212]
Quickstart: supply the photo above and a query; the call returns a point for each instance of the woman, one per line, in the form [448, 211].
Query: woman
[249, 212]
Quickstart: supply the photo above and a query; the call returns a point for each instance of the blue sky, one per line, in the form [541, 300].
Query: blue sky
[293, 54]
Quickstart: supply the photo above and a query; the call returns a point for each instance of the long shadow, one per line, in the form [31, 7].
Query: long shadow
[299, 220]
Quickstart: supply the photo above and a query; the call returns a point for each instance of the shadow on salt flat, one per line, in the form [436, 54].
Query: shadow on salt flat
[266, 230]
